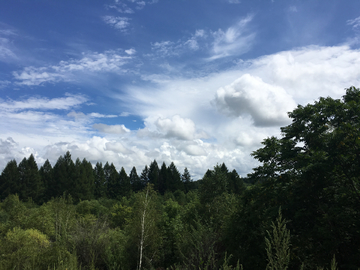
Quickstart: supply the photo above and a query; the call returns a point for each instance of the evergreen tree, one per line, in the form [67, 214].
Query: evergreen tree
[46, 175]
[186, 179]
[214, 183]
[112, 180]
[144, 177]
[83, 184]
[164, 179]
[175, 178]
[30, 180]
[100, 181]
[125, 184]
[64, 173]
[235, 183]
[154, 175]
[135, 181]
[9, 180]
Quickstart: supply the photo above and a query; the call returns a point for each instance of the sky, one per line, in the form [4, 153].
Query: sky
[194, 82]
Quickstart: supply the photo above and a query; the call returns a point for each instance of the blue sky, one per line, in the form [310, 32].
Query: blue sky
[193, 82]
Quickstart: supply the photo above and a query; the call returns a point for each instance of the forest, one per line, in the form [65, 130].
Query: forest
[299, 209]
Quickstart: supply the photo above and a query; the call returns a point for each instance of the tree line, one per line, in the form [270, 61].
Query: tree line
[84, 182]
[299, 209]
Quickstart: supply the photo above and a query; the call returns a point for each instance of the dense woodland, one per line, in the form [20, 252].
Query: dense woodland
[298, 210]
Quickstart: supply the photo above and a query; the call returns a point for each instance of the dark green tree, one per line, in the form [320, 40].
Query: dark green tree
[135, 181]
[144, 177]
[46, 175]
[186, 179]
[100, 181]
[175, 178]
[313, 172]
[125, 184]
[31, 185]
[214, 183]
[83, 182]
[164, 179]
[112, 180]
[154, 175]
[64, 174]
[9, 180]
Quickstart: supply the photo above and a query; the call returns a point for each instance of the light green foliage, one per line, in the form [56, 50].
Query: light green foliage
[278, 245]
[120, 215]
[23, 249]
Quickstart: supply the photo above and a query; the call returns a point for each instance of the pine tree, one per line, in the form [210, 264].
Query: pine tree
[64, 173]
[100, 181]
[135, 181]
[30, 180]
[154, 175]
[124, 181]
[144, 177]
[175, 179]
[164, 179]
[9, 181]
[46, 175]
[186, 179]
[112, 180]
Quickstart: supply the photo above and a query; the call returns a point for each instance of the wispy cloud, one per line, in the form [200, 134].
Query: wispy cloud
[176, 48]
[109, 61]
[119, 23]
[355, 23]
[6, 53]
[236, 40]
[41, 103]
[120, 7]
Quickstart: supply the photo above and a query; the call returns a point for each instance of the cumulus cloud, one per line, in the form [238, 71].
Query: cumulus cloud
[112, 129]
[119, 23]
[195, 122]
[109, 61]
[176, 127]
[266, 104]
[236, 40]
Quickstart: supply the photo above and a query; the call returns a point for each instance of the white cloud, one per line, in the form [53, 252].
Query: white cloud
[112, 129]
[234, 41]
[4, 84]
[6, 53]
[184, 117]
[109, 61]
[130, 51]
[186, 44]
[120, 7]
[266, 104]
[355, 23]
[176, 127]
[119, 23]
[41, 103]
[164, 48]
